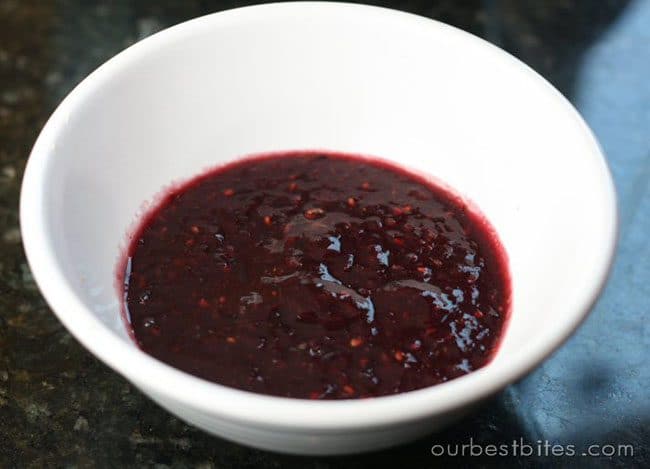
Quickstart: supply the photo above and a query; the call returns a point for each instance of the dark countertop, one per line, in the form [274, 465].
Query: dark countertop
[60, 407]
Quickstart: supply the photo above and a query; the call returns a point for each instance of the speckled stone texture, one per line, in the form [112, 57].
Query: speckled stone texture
[60, 407]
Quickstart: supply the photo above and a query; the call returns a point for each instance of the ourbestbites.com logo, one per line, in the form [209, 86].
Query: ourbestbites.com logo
[541, 448]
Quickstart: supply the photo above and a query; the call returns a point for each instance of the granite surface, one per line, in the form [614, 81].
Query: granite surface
[60, 407]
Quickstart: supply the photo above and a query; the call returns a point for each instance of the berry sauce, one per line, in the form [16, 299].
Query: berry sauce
[317, 276]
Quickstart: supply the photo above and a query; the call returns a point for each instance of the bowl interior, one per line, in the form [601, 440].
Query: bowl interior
[405, 89]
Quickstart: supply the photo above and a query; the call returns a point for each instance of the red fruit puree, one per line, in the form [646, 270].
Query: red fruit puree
[317, 276]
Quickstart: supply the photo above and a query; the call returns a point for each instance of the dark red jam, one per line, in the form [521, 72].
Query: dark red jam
[317, 276]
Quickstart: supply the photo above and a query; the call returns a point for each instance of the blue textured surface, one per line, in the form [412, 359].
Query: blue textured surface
[598, 383]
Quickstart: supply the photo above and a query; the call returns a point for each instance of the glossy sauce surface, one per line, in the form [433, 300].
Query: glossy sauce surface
[316, 276]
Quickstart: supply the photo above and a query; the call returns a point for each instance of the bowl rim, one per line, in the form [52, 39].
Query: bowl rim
[170, 384]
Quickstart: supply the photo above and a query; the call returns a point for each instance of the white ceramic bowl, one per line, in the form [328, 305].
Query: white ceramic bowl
[324, 76]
